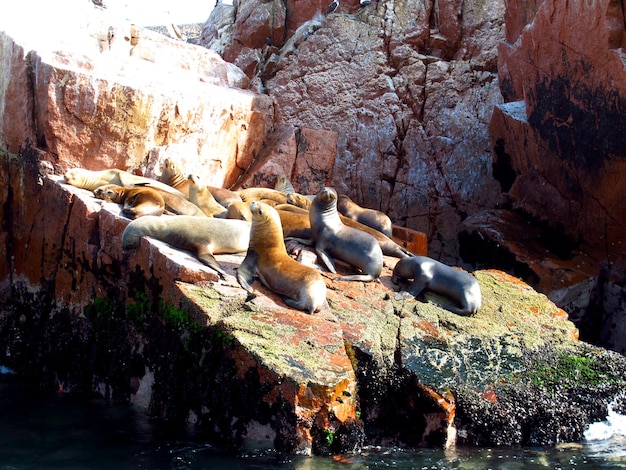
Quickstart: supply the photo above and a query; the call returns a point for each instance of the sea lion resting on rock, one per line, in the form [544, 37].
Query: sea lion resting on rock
[370, 217]
[332, 237]
[434, 276]
[284, 185]
[256, 194]
[172, 175]
[136, 202]
[90, 180]
[204, 236]
[301, 287]
[174, 204]
[200, 195]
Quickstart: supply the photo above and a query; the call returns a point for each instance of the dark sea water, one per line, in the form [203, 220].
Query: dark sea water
[50, 431]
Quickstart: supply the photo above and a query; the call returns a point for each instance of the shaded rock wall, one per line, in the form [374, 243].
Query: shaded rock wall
[559, 149]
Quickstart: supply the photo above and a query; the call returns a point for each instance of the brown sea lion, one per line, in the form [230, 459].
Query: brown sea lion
[299, 200]
[136, 202]
[172, 175]
[431, 275]
[239, 210]
[256, 194]
[332, 238]
[295, 225]
[200, 195]
[177, 204]
[90, 180]
[204, 236]
[370, 217]
[301, 287]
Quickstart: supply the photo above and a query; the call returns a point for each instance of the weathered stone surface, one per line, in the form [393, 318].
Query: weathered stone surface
[306, 156]
[559, 142]
[409, 96]
[121, 103]
[370, 369]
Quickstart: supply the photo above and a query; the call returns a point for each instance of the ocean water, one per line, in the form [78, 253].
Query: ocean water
[55, 431]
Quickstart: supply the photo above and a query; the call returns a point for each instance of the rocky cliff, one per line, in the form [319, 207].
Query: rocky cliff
[496, 131]
[158, 328]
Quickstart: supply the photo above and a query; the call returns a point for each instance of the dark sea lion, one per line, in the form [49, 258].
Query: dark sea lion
[301, 287]
[370, 217]
[204, 236]
[90, 180]
[431, 275]
[136, 202]
[332, 238]
[200, 195]
[284, 185]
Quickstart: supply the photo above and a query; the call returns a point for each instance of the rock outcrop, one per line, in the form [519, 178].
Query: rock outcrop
[408, 87]
[497, 131]
[560, 151]
[156, 327]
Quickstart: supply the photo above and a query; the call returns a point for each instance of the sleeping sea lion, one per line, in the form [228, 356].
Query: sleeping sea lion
[136, 202]
[256, 194]
[90, 180]
[432, 275]
[370, 217]
[301, 287]
[204, 236]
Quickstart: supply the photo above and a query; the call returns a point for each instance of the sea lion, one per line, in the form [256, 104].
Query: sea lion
[389, 247]
[370, 217]
[200, 195]
[301, 287]
[204, 236]
[239, 210]
[429, 274]
[284, 185]
[172, 175]
[136, 202]
[174, 204]
[332, 237]
[295, 225]
[90, 180]
[299, 200]
[256, 194]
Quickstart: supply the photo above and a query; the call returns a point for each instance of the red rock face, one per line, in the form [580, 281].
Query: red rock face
[563, 138]
[394, 82]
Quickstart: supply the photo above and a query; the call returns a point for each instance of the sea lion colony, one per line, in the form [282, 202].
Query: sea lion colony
[206, 221]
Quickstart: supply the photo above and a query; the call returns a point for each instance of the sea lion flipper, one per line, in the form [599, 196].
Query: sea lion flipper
[417, 287]
[247, 270]
[327, 260]
[211, 262]
[403, 295]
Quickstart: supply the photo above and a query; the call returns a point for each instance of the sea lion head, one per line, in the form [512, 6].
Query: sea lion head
[327, 195]
[262, 213]
[108, 192]
[73, 176]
